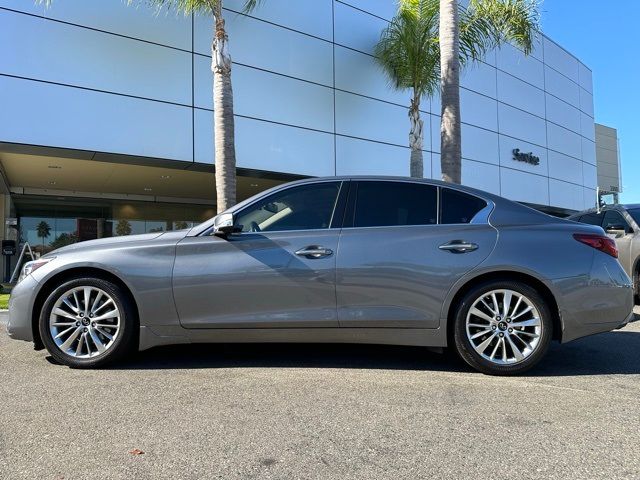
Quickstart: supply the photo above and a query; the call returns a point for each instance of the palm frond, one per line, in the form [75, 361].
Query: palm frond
[487, 24]
[188, 7]
[408, 50]
[251, 5]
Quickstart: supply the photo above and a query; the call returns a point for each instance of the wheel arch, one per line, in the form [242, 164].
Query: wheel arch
[51, 283]
[505, 275]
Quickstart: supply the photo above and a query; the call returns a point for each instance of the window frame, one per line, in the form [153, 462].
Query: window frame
[345, 206]
[482, 217]
[470, 222]
[628, 228]
[338, 208]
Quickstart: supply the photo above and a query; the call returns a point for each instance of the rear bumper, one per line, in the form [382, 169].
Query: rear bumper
[631, 318]
[600, 302]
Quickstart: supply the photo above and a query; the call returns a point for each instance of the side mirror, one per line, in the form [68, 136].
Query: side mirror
[617, 230]
[223, 225]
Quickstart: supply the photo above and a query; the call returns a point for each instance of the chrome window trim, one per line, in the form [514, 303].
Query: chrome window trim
[481, 217]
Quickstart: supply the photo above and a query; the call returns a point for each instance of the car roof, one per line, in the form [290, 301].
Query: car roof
[428, 181]
[617, 206]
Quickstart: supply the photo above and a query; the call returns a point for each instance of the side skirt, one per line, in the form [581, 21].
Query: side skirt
[431, 337]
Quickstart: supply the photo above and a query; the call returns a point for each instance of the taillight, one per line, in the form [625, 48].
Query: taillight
[599, 242]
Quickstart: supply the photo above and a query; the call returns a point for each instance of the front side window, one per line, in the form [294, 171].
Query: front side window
[614, 219]
[635, 214]
[307, 207]
[458, 207]
[395, 204]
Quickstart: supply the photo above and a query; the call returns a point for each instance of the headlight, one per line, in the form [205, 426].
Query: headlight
[31, 267]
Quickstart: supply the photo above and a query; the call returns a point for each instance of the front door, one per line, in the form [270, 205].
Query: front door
[396, 263]
[278, 273]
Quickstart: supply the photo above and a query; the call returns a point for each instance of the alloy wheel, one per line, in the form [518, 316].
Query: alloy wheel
[503, 326]
[84, 322]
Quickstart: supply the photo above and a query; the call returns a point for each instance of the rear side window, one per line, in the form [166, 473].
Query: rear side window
[591, 219]
[458, 207]
[395, 203]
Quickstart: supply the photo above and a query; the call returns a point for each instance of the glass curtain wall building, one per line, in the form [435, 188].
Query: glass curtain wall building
[112, 122]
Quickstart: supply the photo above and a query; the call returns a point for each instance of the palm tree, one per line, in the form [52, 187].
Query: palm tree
[408, 54]
[468, 34]
[224, 124]
[43, 230]
[450, 127]
[422, 45]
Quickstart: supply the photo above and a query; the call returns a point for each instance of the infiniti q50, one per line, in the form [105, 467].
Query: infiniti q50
[343, 259]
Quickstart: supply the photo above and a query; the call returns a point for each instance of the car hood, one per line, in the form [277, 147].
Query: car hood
[116, 242]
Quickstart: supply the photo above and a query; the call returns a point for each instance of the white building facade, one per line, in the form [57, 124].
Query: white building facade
[94, 85]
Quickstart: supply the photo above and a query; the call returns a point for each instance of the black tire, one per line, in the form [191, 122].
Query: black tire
[463, 344]
[121, 345]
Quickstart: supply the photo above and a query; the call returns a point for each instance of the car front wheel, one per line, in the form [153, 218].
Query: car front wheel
[87, 323]
[502, 328]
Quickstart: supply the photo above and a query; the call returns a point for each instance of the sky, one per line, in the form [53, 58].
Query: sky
[602, 34]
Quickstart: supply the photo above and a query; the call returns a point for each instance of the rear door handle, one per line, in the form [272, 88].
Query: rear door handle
[314, 251]
[459, 246]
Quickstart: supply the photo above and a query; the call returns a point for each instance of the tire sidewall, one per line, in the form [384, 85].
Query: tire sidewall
[122, 343]
[464, 347]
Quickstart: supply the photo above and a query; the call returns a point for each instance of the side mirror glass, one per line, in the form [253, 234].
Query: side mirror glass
[616, 229]
[223, 225]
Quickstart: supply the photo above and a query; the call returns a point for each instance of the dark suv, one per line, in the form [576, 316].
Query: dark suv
[622, 223]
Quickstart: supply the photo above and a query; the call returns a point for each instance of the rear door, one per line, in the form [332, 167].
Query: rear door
[399, 253]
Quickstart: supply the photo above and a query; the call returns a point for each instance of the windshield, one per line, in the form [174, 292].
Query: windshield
[635, 214]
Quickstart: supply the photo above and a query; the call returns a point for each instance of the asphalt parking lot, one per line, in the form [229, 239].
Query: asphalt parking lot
[321, 412]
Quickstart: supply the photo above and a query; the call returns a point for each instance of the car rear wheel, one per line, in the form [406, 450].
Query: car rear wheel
[502, 328]
[87, 323]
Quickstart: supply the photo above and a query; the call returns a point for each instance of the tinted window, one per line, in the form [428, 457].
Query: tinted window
[458, 207]
[307, 207]
[591, 219]
[613, 218]
[395, 203]
[635, 214]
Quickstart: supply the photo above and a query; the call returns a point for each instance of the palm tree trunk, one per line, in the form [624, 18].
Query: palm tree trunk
[416, 139]
[450, 130]
[224, 126]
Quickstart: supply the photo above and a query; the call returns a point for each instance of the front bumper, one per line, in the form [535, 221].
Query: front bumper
[21, 303]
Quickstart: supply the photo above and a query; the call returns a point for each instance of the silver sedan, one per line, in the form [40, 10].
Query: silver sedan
[341, 259]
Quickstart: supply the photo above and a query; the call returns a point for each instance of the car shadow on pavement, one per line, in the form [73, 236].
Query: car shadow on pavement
[604, 354]
[289, 355]
[611, 353]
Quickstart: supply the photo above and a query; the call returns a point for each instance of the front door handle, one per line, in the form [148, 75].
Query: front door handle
[459, 246]
[314, 251]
